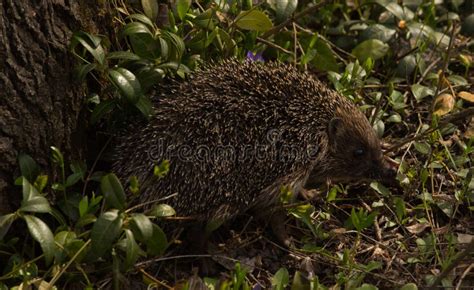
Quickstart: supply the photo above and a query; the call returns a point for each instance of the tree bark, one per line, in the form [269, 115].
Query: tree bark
[40, 104]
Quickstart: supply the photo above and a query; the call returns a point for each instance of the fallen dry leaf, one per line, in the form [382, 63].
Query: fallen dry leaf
[465, 238]
[470, 129]
[466, 96]
[417, 228]
[443, 104]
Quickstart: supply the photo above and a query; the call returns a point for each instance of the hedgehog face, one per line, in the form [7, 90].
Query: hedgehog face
[354, 151]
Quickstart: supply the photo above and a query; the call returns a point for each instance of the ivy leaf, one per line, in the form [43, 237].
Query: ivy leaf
[373, 48]
[253, 20]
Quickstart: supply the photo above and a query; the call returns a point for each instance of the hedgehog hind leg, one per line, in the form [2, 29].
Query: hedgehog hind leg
[276, 219]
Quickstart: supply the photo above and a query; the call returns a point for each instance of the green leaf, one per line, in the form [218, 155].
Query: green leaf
[377, 186]
[57, 156]
[366, 287]
[70, 245]
[83, 206]
[420, 91]
[458, 80]
[141, 18]
[43, 235]
[300, 282]
[123, 55]
[127, 84]
[145, 46]
[324, 59]
[132, 249]
[150, 7]
[360, 219]
[113, 191]
[158, 243]
[134, 185]
[41, 182]
[82, 70]
[165, 52]
[205, 20]
[101, 109]
[253, 20]
[283, 8]
[162, 169]
[377, 31]
[5, 223]
[409, 286]
[280, 279]
[182, 7]
[32, 200]
[143, 225]
[145, 106]
[91, 43]
[422, 147]
[73, 179]
[64, 237]
[176, 42]
[372, 48]
[427, 32]
[28, 167]
[400, 208]
[104, 232]
[148, 78]
[136, 28]
[162, 210]
[395, 118]
[397, 10]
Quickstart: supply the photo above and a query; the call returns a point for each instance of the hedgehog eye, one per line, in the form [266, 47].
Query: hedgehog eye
[359, 152]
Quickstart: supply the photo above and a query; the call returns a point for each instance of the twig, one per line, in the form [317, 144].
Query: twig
[464, 274]
[446, 61]
[271, 44]
[155, 280]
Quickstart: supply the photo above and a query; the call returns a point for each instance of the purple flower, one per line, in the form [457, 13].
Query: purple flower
[255, 57]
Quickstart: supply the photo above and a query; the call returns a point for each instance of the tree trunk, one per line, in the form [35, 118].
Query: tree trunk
[40, 104]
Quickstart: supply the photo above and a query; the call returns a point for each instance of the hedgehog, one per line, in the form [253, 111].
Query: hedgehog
[236, 133]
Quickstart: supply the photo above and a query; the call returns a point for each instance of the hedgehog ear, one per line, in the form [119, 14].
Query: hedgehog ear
[334, 128]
